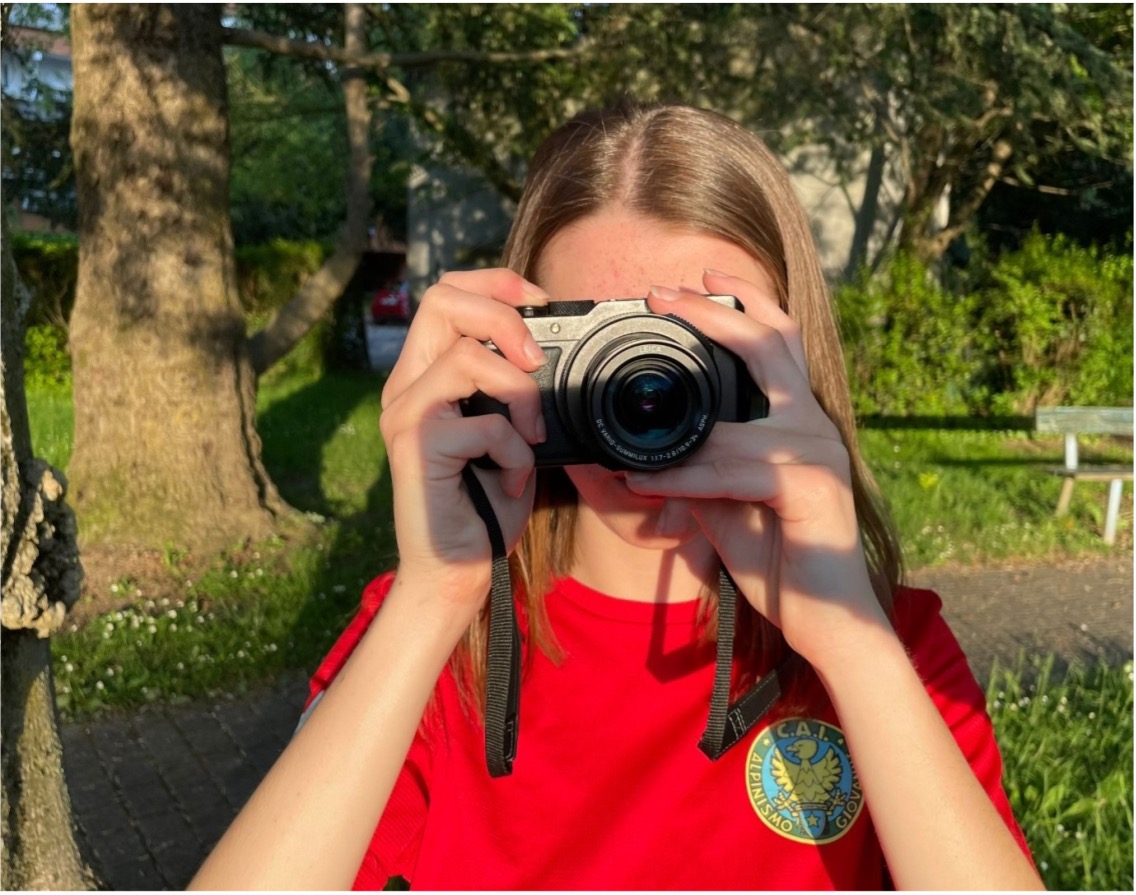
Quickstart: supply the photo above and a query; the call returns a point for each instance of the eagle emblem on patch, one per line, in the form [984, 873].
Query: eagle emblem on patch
[801, 781]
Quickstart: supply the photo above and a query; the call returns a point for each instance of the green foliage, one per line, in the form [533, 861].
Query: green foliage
[1067, 746]
[1046, 324]
[1056, 326]
[269, 274]
[908, 343]
[47, 362]
[49, 266]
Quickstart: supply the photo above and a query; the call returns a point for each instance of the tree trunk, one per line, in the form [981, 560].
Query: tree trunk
[41, 576]
[867, 214]
[166, 448]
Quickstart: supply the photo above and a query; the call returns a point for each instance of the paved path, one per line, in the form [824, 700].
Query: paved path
[152, 792]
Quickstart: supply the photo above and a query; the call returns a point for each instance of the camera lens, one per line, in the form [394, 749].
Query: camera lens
[650, 405]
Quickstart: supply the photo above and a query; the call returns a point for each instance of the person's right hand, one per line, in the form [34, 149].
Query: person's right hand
[443, 546]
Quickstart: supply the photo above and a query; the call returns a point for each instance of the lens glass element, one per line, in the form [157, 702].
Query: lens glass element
[651, 406]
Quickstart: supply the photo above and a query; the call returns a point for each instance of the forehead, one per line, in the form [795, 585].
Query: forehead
[618, 254]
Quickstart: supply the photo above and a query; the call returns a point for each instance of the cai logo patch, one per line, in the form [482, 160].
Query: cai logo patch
[801, 781]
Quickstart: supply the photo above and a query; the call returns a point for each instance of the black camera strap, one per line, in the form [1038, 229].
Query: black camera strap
[726, 725]
[503, 677]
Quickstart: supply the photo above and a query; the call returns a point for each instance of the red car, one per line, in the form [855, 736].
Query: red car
[390, 306]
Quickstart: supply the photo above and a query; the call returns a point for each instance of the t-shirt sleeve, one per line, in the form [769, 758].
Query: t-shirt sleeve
[393, 850]
[941, 664]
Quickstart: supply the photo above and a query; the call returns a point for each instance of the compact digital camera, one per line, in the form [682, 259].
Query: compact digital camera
[626, 387]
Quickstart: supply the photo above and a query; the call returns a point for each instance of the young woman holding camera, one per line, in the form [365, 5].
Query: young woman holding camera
[877, 765]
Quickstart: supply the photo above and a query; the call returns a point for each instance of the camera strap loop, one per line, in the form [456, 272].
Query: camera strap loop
[503, 677]
[503, 683]
[754, 704]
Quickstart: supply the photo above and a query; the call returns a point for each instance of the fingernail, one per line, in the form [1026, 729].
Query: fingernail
[662, 292]
[715, 273]
[534, 292]
[533, 353]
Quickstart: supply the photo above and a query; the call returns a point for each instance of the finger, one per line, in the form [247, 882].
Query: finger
[734, 447]
[762, 347]
[468, 367]
[760, 302]
[812, 495]
[462, 440]
[484, 311]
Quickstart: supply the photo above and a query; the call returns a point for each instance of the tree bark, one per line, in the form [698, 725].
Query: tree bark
[324, 287]
[41, 576]
[166, 448]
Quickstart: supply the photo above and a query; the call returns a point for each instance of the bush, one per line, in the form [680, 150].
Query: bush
[47, 362]
[1056, 326]
[49, 266]
[268, 275]
[908, 343]
[1047, 324]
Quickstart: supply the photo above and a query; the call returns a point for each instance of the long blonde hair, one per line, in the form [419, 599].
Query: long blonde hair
[694, 168]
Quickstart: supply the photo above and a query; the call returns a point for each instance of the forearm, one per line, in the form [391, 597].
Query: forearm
[308, 824]
[936, 824]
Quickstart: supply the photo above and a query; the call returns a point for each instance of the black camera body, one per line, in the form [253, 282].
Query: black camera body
[628, 388]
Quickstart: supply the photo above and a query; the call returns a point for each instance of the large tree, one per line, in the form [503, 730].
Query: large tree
[41, 576]
[166, 446]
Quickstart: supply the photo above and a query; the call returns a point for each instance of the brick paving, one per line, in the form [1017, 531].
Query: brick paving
[152, 792]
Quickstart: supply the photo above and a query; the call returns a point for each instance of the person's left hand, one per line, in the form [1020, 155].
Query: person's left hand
[773, 496]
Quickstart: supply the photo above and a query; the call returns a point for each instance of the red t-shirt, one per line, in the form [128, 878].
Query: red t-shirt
[609, 789]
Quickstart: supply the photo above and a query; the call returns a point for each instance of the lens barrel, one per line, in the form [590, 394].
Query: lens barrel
[647, 399]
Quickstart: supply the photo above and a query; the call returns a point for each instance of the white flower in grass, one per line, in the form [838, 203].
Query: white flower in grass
[201, 619]
[152, 629]
[110, 672]
[69, 667]
[174, 626]
[114, 588]
[181, 666]
[171, 613]
[110, 626]
[233, 574]
[99, 685]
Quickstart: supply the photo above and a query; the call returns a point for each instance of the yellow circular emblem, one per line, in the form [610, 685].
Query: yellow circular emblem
[801, 781]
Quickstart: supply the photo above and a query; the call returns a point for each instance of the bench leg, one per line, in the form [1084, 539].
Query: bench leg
[1066, 496]
[1115, 487]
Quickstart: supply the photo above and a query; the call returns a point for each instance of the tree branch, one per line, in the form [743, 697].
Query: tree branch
[282, 46]
[321, 290]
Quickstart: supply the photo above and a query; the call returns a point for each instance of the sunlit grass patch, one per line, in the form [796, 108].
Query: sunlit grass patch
[1066, 742]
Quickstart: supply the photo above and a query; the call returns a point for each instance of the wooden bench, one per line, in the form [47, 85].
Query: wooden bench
[1074, 421]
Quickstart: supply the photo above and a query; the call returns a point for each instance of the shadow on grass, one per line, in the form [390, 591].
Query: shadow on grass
[967, 423]
[295, 430]
[358, 548]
